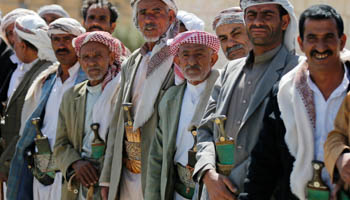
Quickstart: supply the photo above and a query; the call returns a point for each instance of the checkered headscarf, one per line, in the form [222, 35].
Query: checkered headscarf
[113, 44]
[194, 37]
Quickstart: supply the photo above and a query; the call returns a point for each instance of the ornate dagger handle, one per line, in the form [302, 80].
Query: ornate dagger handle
[127, 108]
[219, 121]
[36, 121]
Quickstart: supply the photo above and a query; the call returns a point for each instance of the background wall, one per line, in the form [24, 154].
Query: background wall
[205, 9]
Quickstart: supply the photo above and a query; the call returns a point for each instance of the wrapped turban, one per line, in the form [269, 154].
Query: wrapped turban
[66, 26]
[191, 21]
[52, 9]
[232, 15]
[290, 33]
[33, 29]
[10, 18]
[194, 37]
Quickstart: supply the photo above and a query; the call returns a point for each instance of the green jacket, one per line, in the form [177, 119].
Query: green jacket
[70, 132]
[12, 114]
[161, 171]
[113, 165]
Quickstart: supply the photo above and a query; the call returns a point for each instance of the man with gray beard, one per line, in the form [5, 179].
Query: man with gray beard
[145, 76]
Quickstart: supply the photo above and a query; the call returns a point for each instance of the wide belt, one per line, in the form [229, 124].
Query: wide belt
[132, 147]
[184, 183]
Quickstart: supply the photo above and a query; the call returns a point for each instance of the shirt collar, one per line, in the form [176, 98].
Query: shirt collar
[196, 90]
[14, 59]
[94, 89]
[338, 91]
[267, 55]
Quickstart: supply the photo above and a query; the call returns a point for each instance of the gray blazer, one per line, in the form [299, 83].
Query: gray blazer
[252, 120]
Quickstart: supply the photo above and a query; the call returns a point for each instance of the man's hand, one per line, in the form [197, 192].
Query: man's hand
[104, 192]
[336, 188]
[3, 177]
[343, 165]
[85, 172]
[219, 186]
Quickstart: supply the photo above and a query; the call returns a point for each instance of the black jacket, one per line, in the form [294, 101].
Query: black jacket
[7, 67]
[271, 163]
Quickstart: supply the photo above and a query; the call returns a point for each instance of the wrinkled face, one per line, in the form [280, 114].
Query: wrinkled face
[63, 48]
[98, 19]
[195, 61]
[9, 31]
[234, 40]
[321, 43]
[95, 59]
[50, 17]
[264, 25]
[19, 47]
[154, 18]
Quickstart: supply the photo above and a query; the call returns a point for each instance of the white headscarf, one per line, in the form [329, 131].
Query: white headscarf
[233, 15]
[190, 20]
[11, 17]
[291, 32]
[52, 9]
[65, 26]
[34, 30]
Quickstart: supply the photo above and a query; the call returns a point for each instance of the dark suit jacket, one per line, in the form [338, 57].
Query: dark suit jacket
[13, 111]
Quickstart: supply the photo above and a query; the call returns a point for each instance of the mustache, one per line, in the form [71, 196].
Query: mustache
[261, 26]
[95, 27]
[187, 67]
[62, 50]
[234, 48]
[313, 52]
[95, 67]
[150, 25]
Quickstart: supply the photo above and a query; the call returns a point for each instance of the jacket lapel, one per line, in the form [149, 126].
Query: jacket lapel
[128, 87]
[174, 106]
[227, 91]
[79, 106]
[26, 80]
[270, 77]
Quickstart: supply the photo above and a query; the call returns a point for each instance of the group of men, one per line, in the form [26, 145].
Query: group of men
[83, 118]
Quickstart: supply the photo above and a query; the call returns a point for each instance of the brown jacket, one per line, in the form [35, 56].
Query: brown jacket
[339, 139]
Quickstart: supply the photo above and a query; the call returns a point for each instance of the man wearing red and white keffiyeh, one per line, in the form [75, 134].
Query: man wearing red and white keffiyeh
[113, 44]
[172, 151]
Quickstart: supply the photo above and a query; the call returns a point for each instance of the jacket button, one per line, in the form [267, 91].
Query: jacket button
[239, 147]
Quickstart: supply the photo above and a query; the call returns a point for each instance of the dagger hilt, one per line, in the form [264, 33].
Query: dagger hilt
[95, 127]
[127, 108]
[219, 121]
[36, 122]
[194, 134]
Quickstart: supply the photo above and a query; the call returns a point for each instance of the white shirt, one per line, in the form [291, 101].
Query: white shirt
[184, 138]
[326, 112]
[49, 129]
[18, 75]
[94, 92]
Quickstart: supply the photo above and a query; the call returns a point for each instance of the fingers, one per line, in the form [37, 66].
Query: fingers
[104, 193]
[86, 173]
[229, 185]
